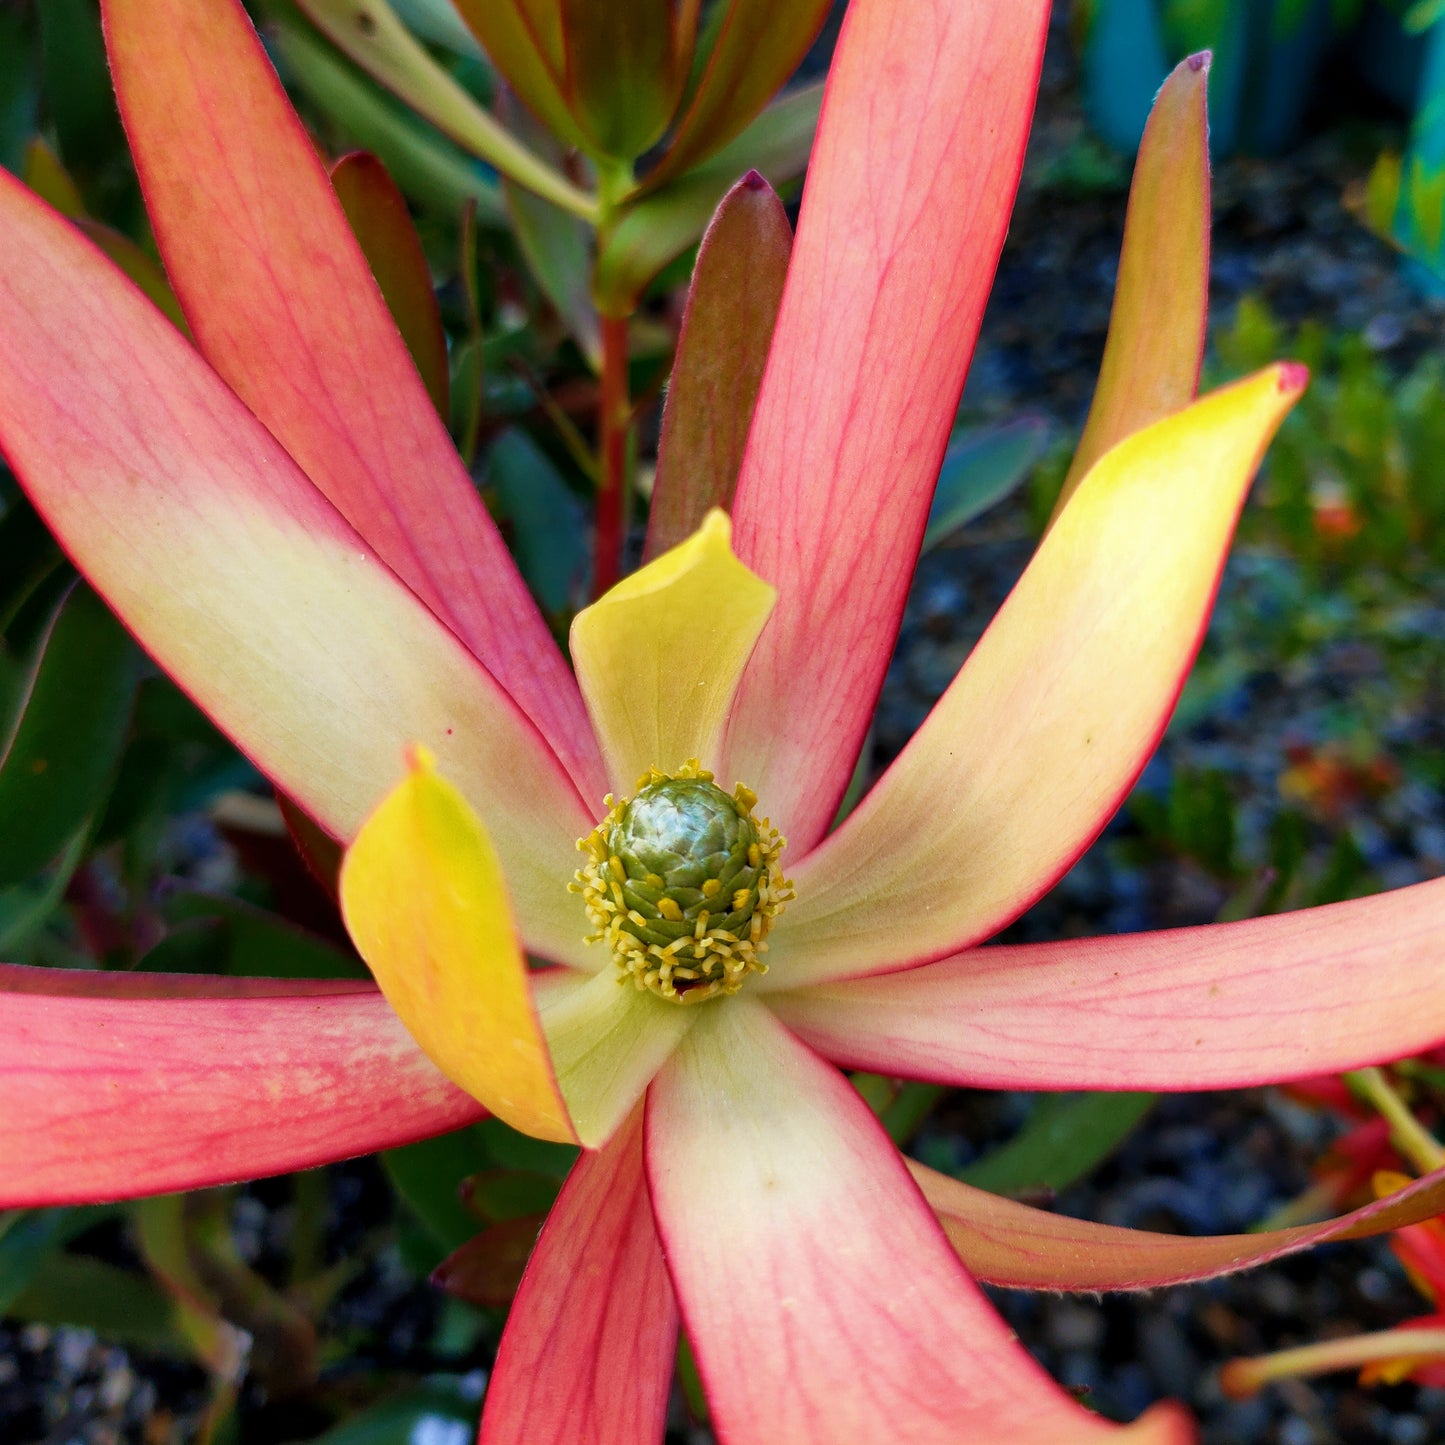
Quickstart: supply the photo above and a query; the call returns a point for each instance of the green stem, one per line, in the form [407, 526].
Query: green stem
[614, 413]
[612, 423]
[1407, 1133]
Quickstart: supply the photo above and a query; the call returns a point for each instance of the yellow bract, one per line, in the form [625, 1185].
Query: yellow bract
[1151, 357]
[1011, 773]
[424, 899]
[659, 657]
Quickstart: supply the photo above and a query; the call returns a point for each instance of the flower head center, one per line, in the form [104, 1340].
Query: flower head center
[682, 883]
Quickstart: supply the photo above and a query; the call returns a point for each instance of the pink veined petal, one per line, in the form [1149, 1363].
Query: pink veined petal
[1223, 1006]
[588, 1349]
[1010, 1244]
[93, 983]
[243, 581]
[105, 1097]
[908, 195]
[284, 306]
[821, 1298]
[1040, 736]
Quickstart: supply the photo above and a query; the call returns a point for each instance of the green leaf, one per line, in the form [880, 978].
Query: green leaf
[122, 1307]
[557, 247]
[524, 41]
[979, 470]
[76, 83]
[1066, 1137]
[727, 328]
[212, 933]
[438, 22]
[232, 1317]
[466, 408]
[63, 748]
[28, 1238]
[755, 45]
[442, 1412]
[546, 518]
[378, 217]
[665, 222]
[429, 168]
[372, 35]
[497, 1195]
[25, 908]
[429, 1176]
[510, 1150]
[28, 556]
[624, 70]
[17, 86]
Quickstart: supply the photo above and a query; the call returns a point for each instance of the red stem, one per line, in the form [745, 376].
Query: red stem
[612, 423]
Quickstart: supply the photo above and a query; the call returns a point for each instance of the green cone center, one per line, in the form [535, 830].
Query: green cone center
[683, 884]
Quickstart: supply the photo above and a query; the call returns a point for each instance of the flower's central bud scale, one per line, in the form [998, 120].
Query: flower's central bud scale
[682, 882]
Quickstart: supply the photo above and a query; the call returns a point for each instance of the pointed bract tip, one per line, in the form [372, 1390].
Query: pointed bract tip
[754, 181]
[420, 759]
[1166, 1423]
[1201, 60]
[1294, 376]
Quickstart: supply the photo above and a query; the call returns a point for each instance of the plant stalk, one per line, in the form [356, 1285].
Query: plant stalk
[614, 417]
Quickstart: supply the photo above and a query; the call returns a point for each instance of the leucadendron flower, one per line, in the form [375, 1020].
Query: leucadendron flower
[278, 515]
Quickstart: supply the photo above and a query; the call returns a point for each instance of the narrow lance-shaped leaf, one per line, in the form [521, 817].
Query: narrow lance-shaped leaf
[46, 175]
[523, 39]
[1161, 298]
[1011, 1244]
[732, 305]
[78, 102]
[758, 46]
[48, 178]
[1257, 1001]
[241, 579]
[372, 34]
[548, 520]
[124, 1308]
[487, 1270]
[557, 246]
[431, 169]
[979, 470]
[71, 722]
[625, 68]
[378, 216]
[1066, 1136]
